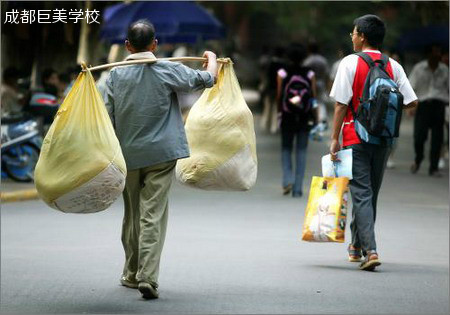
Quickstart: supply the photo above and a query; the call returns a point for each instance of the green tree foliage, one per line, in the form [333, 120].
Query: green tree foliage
[327, 22]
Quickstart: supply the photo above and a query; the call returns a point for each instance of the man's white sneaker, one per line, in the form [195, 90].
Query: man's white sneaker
[128, 283]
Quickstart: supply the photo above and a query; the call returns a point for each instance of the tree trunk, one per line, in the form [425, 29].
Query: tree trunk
[83, 47]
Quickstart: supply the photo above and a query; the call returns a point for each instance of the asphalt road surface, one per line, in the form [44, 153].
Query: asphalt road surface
[236, 252]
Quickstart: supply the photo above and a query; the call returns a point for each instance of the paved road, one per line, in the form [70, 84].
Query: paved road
[237, 253]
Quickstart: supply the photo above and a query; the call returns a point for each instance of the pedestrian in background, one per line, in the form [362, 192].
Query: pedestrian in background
[429, 78]
[69, 78]
[369, 160]
[340, 53]
[263, 67]
[319, 64]
[142, 103]
[51, 83]
[269, 118]
[12, 102]
[444, 150]
[297, 107]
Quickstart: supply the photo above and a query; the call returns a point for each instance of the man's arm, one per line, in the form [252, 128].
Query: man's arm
[314, 86]
[184, 79]
[211, 64]
[411, 108]
[406, 86]
[314, 95]
[279, 87]
[411, 105]
[340, 110]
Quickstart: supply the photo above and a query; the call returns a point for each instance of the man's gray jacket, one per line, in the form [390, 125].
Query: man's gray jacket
[142, 103]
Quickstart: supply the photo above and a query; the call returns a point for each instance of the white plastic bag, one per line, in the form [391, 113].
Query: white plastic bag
[81, 168]
[221, 137]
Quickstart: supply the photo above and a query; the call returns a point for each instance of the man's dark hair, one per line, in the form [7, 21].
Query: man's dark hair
[46, 74]
[141, 34]
[372, 27]
[296, 53]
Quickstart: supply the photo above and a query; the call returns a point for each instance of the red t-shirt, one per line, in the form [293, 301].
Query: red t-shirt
[349, 136]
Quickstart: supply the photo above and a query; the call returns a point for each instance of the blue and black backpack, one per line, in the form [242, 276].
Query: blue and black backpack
[379, 113]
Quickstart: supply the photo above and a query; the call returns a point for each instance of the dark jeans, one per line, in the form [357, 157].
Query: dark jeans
[429, 115]
[369, 163]
[287, 144]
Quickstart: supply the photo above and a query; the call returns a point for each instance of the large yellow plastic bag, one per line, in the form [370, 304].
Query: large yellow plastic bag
[326, 211]
[81, 168]
[221, 138]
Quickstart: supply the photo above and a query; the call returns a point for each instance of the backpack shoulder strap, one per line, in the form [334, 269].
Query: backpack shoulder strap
[352, 109]
[366, 58]
[372, 64]
[383, 61]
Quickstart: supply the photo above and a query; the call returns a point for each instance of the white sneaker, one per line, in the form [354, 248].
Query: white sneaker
[390, 164]
[441, 164]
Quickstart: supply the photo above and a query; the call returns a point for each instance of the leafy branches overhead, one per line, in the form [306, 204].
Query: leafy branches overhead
[329, 22]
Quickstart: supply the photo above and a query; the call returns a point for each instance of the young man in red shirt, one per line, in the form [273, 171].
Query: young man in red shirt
[369, 160]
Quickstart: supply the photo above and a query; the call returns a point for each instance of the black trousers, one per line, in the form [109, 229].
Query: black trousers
[430, 115]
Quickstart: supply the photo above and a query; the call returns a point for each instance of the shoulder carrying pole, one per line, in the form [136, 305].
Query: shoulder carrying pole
[139, 61]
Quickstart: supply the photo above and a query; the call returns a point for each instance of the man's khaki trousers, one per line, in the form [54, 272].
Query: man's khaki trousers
[145, 220]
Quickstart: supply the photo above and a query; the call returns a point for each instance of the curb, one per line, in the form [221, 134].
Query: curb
[20, 195]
